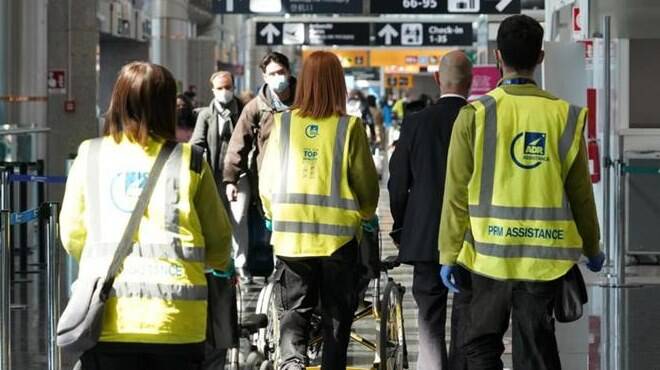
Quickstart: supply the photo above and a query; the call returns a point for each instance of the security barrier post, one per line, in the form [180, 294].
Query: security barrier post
[5, 289]
[53, 291]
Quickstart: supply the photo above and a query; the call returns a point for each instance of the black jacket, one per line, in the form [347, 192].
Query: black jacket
[208, 136]
[417, 179]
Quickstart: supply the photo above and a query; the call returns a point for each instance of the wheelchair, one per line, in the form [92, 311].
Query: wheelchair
[385, 308]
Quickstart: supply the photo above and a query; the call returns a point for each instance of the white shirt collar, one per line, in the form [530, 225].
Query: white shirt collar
[452, 96]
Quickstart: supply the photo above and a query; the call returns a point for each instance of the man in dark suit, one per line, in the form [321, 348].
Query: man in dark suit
[416, 186]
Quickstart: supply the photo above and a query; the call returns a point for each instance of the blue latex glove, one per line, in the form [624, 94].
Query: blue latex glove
[595, 263]
[448, 278]
[370, 225]
[269, 224]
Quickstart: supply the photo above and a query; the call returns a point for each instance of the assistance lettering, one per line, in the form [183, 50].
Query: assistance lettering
[526, 232]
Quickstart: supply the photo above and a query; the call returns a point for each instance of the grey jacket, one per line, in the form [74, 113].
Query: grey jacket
[214, 139]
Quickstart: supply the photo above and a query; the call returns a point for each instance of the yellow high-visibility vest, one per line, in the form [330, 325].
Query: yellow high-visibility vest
[314, 211]
[160, 293]
[521, 224]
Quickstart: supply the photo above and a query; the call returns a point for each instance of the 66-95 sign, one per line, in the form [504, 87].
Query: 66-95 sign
[445, 6]
[416, 4]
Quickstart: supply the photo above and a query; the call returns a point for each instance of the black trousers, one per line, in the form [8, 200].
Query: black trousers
[529, 304]
[460, 320]
[221, 322]
[140, 356]
[331, 279]
[431, 297]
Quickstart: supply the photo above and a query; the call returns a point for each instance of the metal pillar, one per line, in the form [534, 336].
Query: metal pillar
[5, 291]
[53, 289]
[171, 29]
[4, 52]
[607, 160]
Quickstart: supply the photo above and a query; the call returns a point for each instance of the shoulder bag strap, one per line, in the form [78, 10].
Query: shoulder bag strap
[126, 242]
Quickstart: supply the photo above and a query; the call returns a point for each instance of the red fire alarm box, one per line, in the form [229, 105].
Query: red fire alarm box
[70, 106]
[594, 161]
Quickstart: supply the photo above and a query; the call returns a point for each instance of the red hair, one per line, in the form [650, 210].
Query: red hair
[321, 90]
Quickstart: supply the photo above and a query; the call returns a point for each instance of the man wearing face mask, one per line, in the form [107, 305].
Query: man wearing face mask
[212, 132]
[254, 126]
[252, 130]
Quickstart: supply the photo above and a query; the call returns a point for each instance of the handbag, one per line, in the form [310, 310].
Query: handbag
[571, 295]
[79, 327]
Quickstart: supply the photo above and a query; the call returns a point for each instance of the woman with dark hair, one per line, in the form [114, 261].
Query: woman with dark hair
[317, 184]
[155, 317]
[185, 118]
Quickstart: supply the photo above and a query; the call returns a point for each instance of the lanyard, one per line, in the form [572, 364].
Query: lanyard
[518, 81]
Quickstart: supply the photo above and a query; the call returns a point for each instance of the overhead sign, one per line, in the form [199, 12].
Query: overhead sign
[317, 33]
[338, 34]
[359, 34]
[424, 34]
[287, 6]
[445, 7]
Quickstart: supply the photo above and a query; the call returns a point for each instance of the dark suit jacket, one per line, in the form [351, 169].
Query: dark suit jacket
[207, 135]
[417, 179]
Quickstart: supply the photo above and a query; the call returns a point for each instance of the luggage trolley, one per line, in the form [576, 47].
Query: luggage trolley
[385, 308]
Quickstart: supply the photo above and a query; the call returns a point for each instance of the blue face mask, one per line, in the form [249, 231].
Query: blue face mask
[278, 83]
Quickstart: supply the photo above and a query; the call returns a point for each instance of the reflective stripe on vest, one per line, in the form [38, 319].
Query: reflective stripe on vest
[485, 207]
[93, 175]
[156, 251]
[123, 289]
[524, 251]
[334, 200]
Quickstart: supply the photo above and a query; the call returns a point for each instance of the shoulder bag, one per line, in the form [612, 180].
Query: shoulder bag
[571, 296]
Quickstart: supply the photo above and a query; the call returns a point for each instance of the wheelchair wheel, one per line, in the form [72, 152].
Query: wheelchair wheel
[391, 337]
[267, 339]
[254, 361]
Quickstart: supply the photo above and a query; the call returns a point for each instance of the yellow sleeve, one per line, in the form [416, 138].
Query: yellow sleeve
[581, 198]
[215, 223]
[455, 218]
[73, 230]
[362, 175]
[268, 175]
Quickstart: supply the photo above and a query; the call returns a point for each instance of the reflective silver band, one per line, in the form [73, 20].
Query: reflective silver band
[93, 204]
[338, 159]
[285, 137]
[315, 200]
[312, 228]
[159, 291]
[566, 140]
[172, 190]
[522, 213]
[529, 251]
[156, 251]
[489, 151]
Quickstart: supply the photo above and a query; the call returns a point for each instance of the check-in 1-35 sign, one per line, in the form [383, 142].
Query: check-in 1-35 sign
[364, 34]
[424, 34]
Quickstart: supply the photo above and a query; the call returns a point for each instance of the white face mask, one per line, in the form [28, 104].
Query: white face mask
[354, 107]
[223, 96]
[277, 83]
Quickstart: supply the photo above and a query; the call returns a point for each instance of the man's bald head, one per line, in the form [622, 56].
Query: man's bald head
[455, 74]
